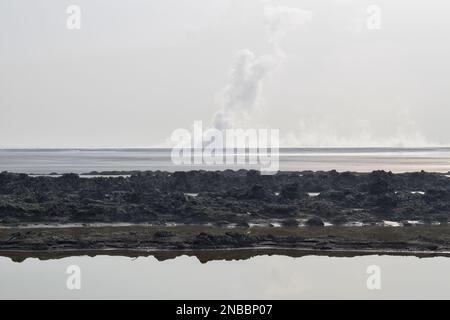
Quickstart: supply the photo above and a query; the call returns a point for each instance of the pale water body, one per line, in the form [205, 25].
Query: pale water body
[45, 161]
[261, 277]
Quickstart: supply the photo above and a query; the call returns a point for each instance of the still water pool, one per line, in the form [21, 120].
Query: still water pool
[259, 277]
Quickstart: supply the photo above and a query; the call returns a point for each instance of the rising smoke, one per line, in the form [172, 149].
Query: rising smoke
[242, 95]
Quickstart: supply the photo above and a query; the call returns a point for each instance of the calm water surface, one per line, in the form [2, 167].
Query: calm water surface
[41, 161]
[261, 277]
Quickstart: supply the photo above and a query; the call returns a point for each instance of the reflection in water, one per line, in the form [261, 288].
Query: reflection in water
[257, 277]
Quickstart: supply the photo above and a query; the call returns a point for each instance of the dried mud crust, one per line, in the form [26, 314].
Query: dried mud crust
[241, 198]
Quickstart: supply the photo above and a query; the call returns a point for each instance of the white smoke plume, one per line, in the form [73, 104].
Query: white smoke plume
[242, 95]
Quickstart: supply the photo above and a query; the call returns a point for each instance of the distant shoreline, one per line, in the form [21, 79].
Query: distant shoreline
[398, 160]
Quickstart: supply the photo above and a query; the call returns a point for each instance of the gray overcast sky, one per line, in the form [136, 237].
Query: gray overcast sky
[139, 69]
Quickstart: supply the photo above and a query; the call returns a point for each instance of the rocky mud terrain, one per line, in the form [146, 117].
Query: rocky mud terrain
[228, 198]
[201, 210]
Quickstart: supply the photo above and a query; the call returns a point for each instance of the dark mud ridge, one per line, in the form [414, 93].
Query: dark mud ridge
[210, 243]
[227, 198]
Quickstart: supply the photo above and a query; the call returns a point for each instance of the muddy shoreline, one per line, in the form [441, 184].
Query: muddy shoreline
[204, 210]
[207, 255]
[218, 243]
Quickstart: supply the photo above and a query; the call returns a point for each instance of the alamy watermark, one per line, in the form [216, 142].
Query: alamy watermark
[73, 21]
[373, 21]
[374, 280]
[73, 281]
[212, 147]
[373, 17]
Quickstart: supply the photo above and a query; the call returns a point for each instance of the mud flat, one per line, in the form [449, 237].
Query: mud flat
[203, 210]
[226, 198]
[211, 243]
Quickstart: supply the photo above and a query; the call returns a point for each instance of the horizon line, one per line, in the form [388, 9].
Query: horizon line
[282, 147]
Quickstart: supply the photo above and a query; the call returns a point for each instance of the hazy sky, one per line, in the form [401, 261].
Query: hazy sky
[139, 69]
